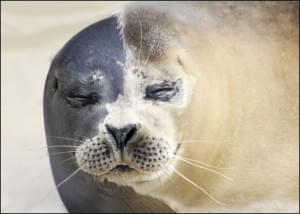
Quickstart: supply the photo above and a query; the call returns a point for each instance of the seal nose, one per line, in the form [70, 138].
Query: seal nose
[122, 135]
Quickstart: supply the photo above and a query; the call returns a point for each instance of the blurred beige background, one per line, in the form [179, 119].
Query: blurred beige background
[31, 34]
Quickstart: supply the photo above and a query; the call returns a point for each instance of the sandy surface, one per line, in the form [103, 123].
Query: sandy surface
[31, 34]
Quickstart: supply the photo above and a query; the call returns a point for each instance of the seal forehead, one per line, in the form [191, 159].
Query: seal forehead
[148, 32]
[93, 54]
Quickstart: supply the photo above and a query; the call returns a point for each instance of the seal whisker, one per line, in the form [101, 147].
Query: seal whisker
[198, 187]
[71, 158]
[58, 146]
[56, 187]
[62, 146]
[141, 42]
[68, 178]
[201, 141]
[61, 153]
[58, 153]
[204, 164]
[203, 167]
[65, 138]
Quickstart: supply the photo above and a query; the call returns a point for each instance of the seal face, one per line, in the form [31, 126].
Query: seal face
[113, 107]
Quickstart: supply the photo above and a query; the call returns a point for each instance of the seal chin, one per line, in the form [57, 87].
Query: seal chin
[126, 175]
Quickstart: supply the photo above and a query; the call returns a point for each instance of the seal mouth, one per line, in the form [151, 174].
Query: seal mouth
[122, 168]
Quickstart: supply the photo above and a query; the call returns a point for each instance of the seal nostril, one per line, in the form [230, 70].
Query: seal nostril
[131, 133]
[122, 135]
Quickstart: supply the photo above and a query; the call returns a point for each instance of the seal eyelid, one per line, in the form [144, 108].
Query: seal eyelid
[162, 92]
[79, 100]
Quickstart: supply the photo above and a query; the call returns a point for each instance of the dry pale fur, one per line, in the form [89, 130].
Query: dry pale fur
[244, 106]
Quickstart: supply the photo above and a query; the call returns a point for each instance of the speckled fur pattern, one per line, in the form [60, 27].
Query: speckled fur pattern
[97, 156]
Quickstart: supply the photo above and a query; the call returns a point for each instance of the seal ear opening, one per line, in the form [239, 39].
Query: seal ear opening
[55, 84]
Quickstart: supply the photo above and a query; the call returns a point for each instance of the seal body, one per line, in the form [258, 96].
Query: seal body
[178, 108]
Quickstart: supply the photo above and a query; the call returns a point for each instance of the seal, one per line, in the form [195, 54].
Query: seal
[177, 108]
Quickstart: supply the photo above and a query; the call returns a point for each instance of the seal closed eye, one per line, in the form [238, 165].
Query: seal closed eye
[163, 92]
